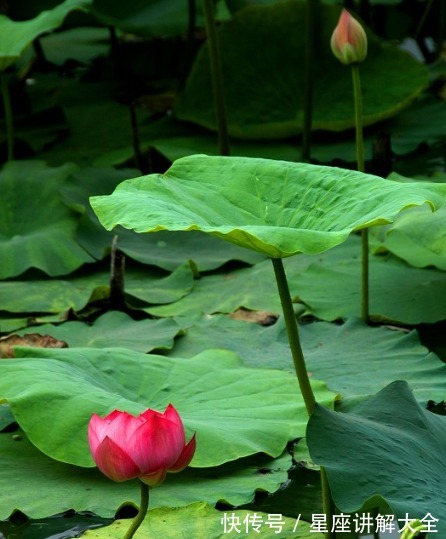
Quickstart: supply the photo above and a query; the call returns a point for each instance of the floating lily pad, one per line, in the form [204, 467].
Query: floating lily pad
[262, 50]
[276, 208]
[330, 288]
[113, 329]
[343, 355]
[386, 448]
[236, 411]
[89, 490]
[36, 229]
[57, 295]
[201, 521]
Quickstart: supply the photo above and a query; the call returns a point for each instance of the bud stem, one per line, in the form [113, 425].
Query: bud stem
[357, 95]
[310, 11]
[138, 520]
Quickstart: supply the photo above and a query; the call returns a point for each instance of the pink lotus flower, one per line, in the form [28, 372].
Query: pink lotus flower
[148, 446]
[349, 40]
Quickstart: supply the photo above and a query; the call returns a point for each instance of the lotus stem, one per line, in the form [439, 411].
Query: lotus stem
[422, 21]
[137, 521]
[301, 372]
[327, 504]
[309, 79]
[217, 77]
[361, 167]
[293, 335]
[9, 120]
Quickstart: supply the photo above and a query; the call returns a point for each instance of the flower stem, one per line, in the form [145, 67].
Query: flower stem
[310, 9]
[9, 121]
[293, 335]
[137, 521]
[361, 167]
[217, 77]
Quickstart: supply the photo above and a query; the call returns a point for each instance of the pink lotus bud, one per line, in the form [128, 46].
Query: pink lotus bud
[349, 41]
[148, 446]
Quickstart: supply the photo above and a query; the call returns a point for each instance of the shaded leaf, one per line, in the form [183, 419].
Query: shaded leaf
[144, 17]
[36, 229]
[388, 447]
[265, 95]
[276, 208]
[16, 36]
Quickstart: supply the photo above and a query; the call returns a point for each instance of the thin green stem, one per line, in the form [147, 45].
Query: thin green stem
[357, 96]
[301, 372]
[361, 167]
[137, 521]
[293, 335]
[9, 120]
[217, 77]
[423, 18]
[327, 504]
[309, 77]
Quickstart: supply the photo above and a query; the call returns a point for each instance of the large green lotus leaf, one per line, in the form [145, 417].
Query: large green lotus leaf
[343, 355]
[36, 229]
[201, 521]
[276, 208]
[89, 490]
[418, 237]
[388, 447]
[115, 329]
[16, 36]
[236, 411]
[265, 92]
[167, 250]
[56, 295]
[330, 288]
